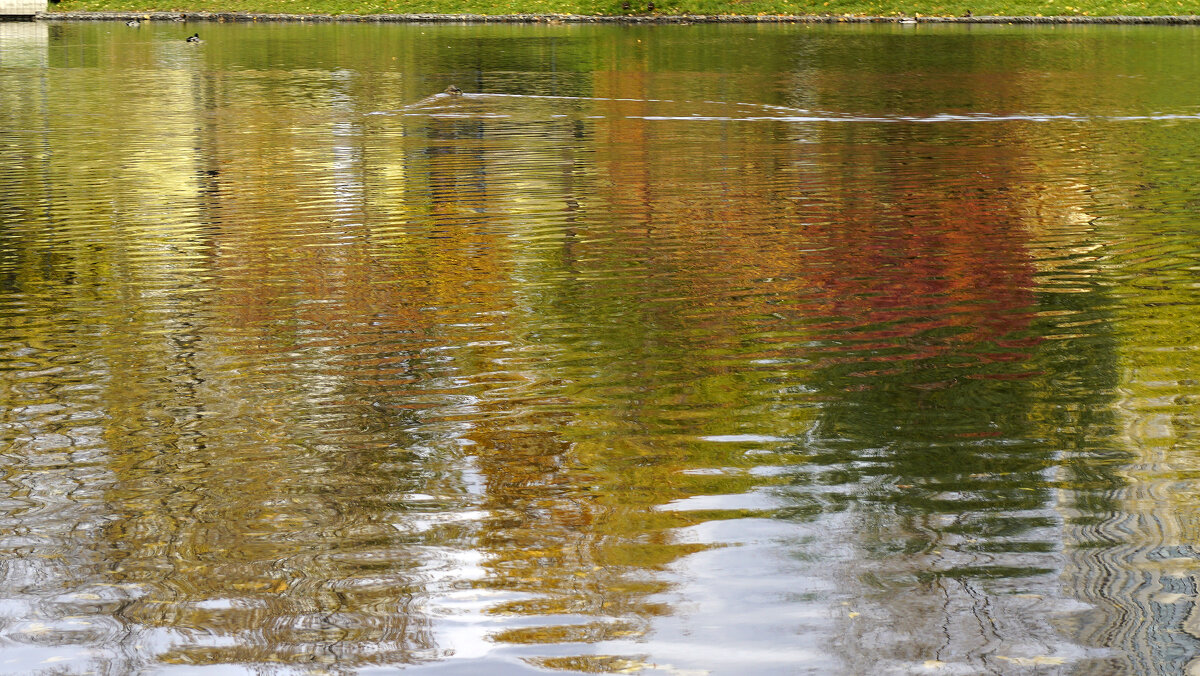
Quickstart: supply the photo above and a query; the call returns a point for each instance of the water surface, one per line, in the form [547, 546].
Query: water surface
[664, 350]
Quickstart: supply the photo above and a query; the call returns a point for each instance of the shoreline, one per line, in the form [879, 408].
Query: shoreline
[254, 17]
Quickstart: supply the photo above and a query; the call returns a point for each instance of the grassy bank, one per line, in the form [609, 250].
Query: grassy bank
[1081, 8]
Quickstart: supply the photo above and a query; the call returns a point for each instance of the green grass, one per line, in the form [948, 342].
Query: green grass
[662, 7]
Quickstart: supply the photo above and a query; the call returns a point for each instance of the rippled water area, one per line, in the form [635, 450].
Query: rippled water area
[667, 350]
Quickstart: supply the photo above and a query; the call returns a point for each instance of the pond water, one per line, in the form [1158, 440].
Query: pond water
[777, 349]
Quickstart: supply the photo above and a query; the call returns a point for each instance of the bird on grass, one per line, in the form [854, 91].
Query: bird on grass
[650, 7]
[453, 91]
[195, 37]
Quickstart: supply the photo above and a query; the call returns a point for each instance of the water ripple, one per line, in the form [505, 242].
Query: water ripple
[305, 368]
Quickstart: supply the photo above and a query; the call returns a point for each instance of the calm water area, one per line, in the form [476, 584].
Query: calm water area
[672, 350]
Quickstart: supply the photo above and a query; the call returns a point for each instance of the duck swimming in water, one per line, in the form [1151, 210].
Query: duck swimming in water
[133, 23]
[194, 38]
[453, 91]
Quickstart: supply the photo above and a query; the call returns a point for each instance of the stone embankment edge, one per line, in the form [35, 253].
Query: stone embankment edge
[250, 17]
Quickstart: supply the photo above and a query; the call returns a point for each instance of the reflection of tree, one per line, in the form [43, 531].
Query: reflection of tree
[912, 298]
[916, 304]
[1134, 555]
[227, 433]
[954, 430]
[321, 352]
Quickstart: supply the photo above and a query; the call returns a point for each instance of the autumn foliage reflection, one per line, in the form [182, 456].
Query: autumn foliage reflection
[381, 355]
